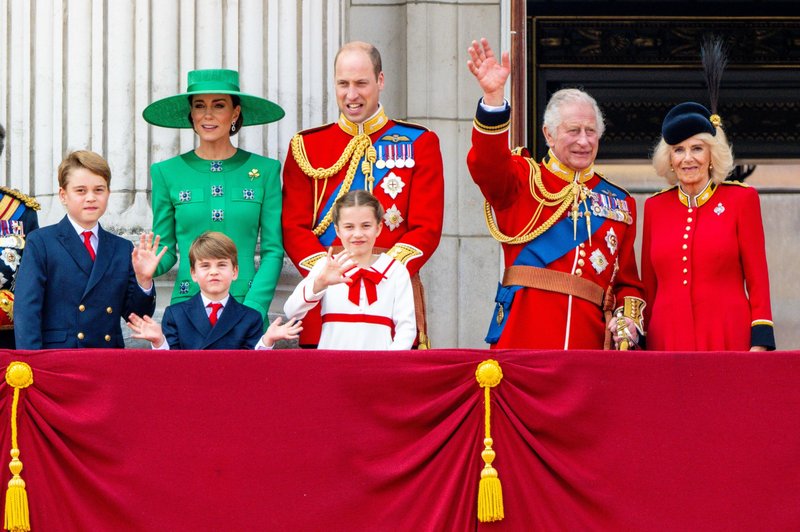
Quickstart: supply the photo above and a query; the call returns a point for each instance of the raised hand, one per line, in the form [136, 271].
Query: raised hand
[491, 75]
[145, 260]
[333, 271]
[146, 328]
[286, 331]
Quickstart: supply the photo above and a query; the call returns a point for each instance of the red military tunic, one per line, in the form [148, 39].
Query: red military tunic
[538, 318]
[705, 270]
[411, 192]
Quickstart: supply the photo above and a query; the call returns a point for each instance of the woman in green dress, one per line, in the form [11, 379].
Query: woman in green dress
[218, 187]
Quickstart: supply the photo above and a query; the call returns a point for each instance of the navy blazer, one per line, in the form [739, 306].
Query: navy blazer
[64, 299]
[186, 326]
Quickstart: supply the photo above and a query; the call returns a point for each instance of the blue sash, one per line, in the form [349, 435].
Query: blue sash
[547, 248]
[359, 180]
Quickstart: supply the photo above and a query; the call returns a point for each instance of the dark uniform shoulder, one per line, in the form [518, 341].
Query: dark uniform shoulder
[673, 187]
[317, 129]
[735, 183]
[411, 124]
[29, 201]
[601, 176]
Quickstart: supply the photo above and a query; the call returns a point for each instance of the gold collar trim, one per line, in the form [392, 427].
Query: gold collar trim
[369, 126]
[700, 199]
[565, 172]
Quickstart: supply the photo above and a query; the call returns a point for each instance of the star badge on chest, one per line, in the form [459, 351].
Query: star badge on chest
[392, 184]
[392, 218]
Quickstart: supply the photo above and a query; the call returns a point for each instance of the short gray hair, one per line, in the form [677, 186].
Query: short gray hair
[552, 113]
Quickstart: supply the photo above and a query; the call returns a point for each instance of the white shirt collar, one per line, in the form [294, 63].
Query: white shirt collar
[206, 301]
[80, 230]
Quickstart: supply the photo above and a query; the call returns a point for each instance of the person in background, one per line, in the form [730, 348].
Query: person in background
[212, 319]
[218, 187]
[77, 280]
[704, 262]
[398, 162]
[567, 232]
[18, 219]
[365, 299]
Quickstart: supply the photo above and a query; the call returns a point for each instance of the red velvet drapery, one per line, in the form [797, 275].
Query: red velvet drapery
[320, 440]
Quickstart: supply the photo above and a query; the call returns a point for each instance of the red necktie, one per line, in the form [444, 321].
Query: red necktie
[87, 235]
[215, 308]
[369, 278]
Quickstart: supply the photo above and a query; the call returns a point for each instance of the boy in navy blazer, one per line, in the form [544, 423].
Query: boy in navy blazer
[212, 319]
[77, 280]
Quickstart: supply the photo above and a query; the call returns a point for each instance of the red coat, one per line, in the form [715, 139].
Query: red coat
[420, 203]
[699, 265]
[540, 319]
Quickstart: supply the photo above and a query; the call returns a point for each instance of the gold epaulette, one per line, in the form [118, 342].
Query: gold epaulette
[29, 201]
[737, 183]
[411, 124]
[673, 187]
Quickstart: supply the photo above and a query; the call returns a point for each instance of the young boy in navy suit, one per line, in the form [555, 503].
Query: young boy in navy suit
[77, 280]
[212, 319]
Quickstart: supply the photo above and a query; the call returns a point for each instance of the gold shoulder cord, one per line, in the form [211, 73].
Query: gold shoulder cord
[563, 198]
[353, 152]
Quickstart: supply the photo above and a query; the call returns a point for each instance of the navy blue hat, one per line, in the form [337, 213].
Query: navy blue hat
[685, 120]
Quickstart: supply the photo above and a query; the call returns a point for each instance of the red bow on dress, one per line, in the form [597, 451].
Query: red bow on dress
[370, 279]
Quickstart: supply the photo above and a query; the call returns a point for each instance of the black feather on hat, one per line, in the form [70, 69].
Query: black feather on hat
[690, 118]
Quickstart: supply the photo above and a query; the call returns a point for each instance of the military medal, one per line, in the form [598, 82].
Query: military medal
[389, 157]
[380, 164]
[401, 159]
[598, 260]
[410, 159]
[398, 161]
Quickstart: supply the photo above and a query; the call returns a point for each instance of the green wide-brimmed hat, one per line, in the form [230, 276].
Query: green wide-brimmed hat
[174, 110]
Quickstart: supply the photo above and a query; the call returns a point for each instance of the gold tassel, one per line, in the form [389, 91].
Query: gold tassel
[490, 491]
[17, 517]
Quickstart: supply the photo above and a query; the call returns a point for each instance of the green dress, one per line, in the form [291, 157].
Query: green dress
[238, 197]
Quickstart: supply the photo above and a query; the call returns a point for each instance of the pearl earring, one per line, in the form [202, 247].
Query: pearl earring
[710, 166]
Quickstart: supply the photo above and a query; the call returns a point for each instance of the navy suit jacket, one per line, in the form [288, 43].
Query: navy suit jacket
[186, 326]
[64, 299]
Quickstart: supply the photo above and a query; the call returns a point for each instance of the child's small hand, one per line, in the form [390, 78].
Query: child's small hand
[145, 260]
[146, 329]
[288, 331]
[334, 270]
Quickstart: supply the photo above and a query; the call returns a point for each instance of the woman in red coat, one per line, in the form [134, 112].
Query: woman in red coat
[703, 261]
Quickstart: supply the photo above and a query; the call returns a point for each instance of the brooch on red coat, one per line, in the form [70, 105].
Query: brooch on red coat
[719, 209]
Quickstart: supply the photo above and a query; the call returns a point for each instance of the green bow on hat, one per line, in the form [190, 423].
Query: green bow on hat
[174, 110]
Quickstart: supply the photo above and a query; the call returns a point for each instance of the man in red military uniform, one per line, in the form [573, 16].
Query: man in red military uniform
[567, 233]
[399, 162]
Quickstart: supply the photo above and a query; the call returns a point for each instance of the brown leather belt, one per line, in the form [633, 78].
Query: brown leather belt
[554, 281]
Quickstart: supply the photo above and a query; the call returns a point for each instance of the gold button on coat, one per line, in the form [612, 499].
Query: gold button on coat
[81, 308]
[108, 338]
[109, 310]
[578, 272]
[80, 336]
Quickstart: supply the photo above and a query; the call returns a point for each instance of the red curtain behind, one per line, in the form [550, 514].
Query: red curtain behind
[321, 440]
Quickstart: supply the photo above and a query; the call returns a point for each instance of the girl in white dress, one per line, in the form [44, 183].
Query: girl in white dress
[366, 299]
